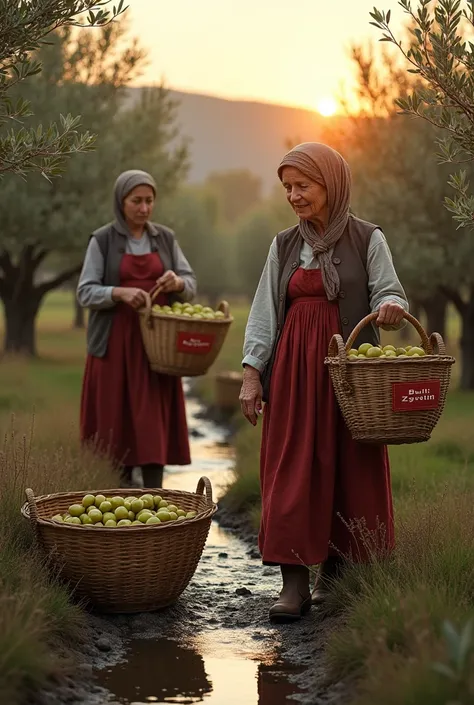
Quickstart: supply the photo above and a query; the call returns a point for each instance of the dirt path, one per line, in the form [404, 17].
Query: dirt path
[216, 643]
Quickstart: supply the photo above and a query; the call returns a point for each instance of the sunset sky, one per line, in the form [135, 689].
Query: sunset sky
[255, 49]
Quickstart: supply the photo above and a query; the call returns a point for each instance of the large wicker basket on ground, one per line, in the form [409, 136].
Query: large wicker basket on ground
[126, 570]
[391, 400]
[182, 346]
[227, 390]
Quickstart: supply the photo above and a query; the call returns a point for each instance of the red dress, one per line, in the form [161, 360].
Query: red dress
[315, 479]
[136, 415]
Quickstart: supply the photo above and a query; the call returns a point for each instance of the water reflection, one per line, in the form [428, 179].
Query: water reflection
[273, 684]
[160, 671]
[210, 453]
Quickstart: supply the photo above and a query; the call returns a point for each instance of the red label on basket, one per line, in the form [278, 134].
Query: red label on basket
[194, 343]
[416, 396]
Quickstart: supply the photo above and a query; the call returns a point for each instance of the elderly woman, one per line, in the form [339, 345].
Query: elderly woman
[321, 277]
[137, 416]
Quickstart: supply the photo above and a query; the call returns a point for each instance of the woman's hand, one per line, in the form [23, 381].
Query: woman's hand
[390, 314]
[136, 298]
[251, 394]
[170, 282]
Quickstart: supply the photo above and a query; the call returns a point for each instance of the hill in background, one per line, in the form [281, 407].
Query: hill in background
[235, 134]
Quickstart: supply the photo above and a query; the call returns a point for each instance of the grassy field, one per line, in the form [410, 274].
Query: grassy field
[392, 613]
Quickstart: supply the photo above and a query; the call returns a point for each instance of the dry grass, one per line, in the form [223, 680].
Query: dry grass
[394, 610]
[39, 448]
[36, 613]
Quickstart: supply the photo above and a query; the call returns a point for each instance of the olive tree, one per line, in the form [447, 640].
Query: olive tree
[24, 28]
[441, 57]
[45, 225]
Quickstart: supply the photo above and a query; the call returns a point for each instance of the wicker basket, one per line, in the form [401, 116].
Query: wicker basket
[227, 386]
[134, 569]
[391, 400]
[181, 346]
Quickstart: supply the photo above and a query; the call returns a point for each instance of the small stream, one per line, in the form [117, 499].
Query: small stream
[215, 645]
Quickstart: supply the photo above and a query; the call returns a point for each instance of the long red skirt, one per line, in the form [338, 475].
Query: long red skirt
[322, 492]
[135, 415]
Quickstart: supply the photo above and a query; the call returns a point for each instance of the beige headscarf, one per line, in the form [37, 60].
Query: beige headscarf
[324, 165]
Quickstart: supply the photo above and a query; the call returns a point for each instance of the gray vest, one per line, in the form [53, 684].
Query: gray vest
[350, 257]
[112, 245]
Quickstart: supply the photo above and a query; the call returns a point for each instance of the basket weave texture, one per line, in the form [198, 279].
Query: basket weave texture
[391, 401]
[124, 570]
[182, 346]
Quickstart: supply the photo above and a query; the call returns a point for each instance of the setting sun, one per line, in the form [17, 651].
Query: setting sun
[327, 107]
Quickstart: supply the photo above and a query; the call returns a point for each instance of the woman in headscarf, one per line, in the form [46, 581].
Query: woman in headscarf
[136, 416]
[318, 485]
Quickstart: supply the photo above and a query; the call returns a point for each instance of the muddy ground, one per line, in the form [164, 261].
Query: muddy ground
[228, 600]
[223, 611]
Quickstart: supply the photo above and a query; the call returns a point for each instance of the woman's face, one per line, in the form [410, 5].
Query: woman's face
[138, 205]
[308, 199]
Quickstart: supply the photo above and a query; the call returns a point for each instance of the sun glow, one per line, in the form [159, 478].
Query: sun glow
[327, 106]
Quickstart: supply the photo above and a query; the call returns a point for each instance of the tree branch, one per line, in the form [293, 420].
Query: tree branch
[455, 298]
[27, 253]
[59, 280]
[42, 254]
[6, 263]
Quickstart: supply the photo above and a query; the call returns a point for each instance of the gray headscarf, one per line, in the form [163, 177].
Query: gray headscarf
[324, 165]
[125, 183]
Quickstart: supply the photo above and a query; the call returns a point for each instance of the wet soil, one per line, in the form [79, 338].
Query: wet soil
[215, 645]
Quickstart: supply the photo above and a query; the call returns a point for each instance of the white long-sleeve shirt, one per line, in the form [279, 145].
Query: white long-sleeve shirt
[260, 333]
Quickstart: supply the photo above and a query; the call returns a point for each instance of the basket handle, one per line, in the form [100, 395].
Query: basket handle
[32, 510]
[149, 298]
[437, 343]
[205, 483]
[338, 349]
[225, 308]
[147, 310]
[154, 292]
[425, 341]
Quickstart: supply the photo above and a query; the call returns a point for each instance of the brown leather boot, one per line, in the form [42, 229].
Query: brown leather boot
[329, 570]
[295, 598]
